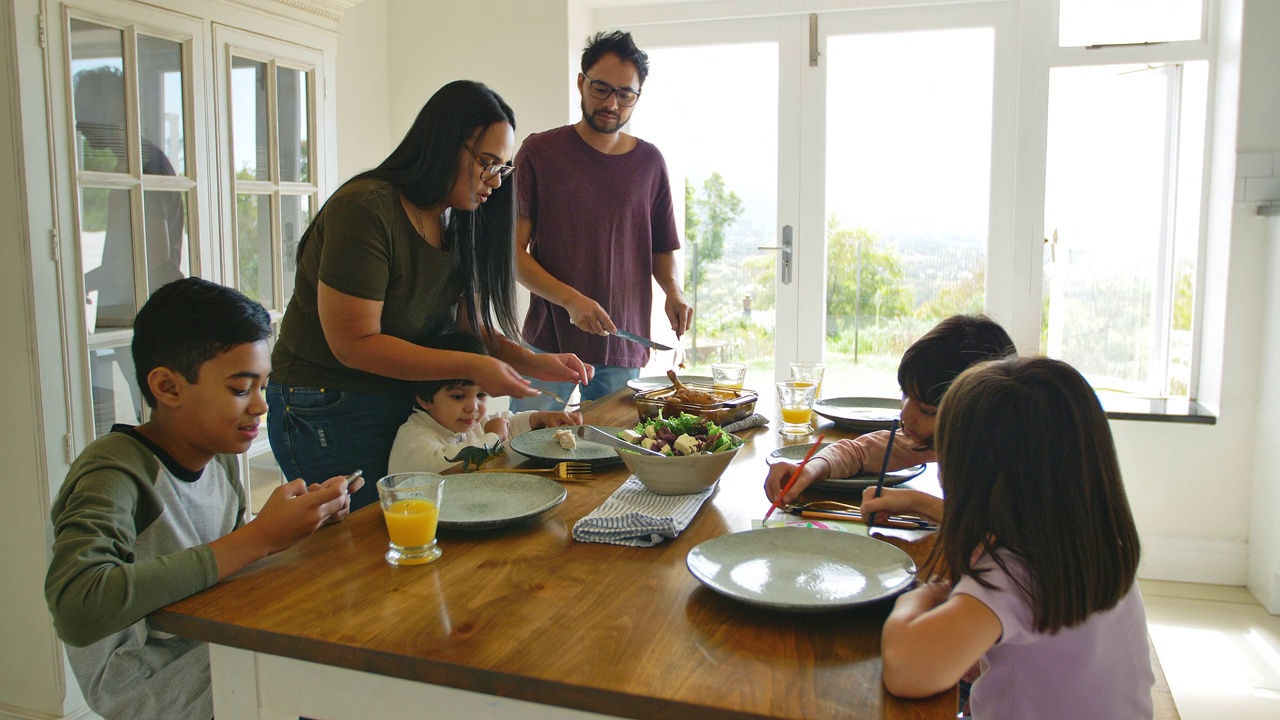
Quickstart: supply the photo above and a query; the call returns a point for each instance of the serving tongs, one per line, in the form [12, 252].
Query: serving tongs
[594, 434]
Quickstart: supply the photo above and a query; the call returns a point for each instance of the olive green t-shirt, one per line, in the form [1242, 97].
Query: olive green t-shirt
[364, 244]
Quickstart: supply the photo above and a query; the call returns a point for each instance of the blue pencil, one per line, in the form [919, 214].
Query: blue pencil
[884, 467]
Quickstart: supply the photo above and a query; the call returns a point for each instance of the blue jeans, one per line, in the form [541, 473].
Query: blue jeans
[317, 433]
[607, 379]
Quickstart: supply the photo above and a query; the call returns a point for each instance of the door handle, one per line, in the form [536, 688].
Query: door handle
[786, 247]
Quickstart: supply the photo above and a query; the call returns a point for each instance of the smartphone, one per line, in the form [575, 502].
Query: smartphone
[352, 478]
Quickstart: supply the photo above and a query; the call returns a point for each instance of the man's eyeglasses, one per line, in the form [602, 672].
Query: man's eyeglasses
[489, 169]
[601, 90]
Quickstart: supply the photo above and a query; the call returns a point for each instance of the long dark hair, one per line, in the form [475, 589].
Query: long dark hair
[1028, 466]
[424, 167]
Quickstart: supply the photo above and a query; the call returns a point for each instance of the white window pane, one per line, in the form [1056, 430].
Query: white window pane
[116, 397]
[1106, 206]
[253, 244]
[295, 217]
[908, 194]
[97, 61]
[294, 114]
[160, 105]
[724, 175]
[249, 119]
[1103, 22]
[106, 254]
[165, 229]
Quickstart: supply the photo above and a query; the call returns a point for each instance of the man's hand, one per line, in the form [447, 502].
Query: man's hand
[588, 316]
[679, 312]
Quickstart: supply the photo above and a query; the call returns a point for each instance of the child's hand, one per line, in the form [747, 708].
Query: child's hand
[902, 501]
[294, 511]
[500, 427]
[780, 474]
[291, 513]
[335, 481]
[554, 418]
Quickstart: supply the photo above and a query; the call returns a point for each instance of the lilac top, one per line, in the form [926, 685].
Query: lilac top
[597, 221]
[1098, 669]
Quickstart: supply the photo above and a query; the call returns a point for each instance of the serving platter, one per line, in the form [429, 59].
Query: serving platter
[541, 444]
[796, 453]
[801, 569]
[645, 384]
[480, 500]
[860, 413]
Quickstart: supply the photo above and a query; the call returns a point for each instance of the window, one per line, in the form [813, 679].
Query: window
[1123, 188]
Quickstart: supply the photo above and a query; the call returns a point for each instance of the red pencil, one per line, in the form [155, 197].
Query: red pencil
[794, 475]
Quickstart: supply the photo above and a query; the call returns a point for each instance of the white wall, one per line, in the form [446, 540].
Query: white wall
[516, 47]
[364, 134]
[1259, 132]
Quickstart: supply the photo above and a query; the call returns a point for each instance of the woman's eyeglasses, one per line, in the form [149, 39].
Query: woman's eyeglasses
[601, 90]
[490, 170]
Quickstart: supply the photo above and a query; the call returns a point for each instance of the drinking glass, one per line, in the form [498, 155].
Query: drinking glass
[728, 375]
[809, 372]
[795, 403]
[411, 505]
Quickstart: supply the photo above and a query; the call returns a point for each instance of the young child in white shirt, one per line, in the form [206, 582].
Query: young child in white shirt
[451, 415]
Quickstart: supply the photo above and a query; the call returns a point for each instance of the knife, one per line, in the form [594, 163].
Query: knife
[642, 340]
[596, 435]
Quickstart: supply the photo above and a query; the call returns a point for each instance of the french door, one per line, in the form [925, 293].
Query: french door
[846, 179]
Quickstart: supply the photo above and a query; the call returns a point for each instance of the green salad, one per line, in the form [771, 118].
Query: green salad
[684, 434]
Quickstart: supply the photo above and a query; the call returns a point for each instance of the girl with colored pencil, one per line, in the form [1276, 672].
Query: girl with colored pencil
[924, 374]
[1033, 577]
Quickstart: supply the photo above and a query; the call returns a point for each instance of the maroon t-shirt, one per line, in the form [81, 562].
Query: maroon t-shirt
[597, 221]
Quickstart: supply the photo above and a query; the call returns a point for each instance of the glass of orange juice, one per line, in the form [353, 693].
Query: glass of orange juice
[728, 375]
[809, 372]
[795, 403]
[411, 505]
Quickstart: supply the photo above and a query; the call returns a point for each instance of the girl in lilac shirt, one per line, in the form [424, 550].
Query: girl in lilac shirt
[924, 374]
[1033, 577]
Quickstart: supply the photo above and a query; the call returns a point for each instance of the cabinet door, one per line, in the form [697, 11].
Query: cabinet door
[132, 76]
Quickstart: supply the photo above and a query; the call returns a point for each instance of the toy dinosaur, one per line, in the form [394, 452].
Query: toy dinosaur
[473, 458]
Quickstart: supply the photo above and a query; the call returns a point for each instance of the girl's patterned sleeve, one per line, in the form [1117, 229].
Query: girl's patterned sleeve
[865, 454]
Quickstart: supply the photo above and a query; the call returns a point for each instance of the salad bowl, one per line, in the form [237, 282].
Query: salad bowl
[689, 468]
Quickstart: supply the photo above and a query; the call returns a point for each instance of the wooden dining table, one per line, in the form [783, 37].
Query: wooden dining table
[524, 621]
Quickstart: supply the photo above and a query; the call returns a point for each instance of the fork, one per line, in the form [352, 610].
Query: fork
[562, 470]
[564, 402]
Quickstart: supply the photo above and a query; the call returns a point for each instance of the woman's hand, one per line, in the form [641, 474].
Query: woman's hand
[556, 367]
[554, 418]
[780, 473]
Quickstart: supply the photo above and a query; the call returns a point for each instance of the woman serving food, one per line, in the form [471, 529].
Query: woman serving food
[418, 245]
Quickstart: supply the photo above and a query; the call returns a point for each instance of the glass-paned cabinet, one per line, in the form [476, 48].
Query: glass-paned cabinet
[272, 120]
[193, 148]
[130, 87]
[270, 137]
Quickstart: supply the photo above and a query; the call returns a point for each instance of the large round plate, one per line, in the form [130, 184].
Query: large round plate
[801, 569]
[645, 384]
[796, 453]
[481, 500]
[541, 445]
[860, 413]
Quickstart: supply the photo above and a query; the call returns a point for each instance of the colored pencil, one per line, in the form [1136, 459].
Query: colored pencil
[794, 475]
[892, 522]
[884, 467]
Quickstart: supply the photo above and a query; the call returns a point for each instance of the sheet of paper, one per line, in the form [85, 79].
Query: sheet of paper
[792, 521]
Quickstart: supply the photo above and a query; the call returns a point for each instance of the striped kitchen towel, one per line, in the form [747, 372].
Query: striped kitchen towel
[637, 517]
